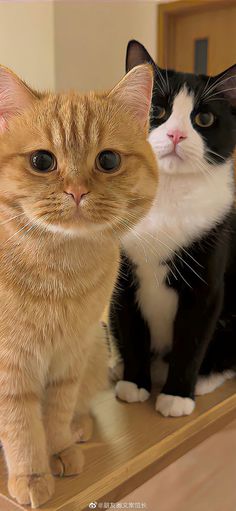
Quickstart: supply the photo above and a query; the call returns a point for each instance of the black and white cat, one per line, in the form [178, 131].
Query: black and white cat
[176, 293]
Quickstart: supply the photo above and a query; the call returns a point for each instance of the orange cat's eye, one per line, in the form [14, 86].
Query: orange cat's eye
[43, 161]
[108, 161]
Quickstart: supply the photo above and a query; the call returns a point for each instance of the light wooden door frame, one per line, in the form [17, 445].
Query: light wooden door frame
[166, 19]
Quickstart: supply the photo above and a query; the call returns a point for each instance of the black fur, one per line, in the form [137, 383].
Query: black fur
[204, 337]
[130, 329]
[220, 137]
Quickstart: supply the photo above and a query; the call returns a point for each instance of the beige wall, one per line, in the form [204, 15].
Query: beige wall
[73, 43]
[27, 40]
[91, 39]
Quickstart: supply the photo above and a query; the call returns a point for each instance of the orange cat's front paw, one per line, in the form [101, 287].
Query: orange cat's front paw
[82, 428]
[69, 462]
[33, 489]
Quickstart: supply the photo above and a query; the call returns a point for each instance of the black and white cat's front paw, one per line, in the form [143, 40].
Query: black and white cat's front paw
[130, 392]
[174, 406]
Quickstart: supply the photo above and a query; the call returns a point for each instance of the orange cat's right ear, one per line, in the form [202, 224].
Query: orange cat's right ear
[15, 96]
[134, 91]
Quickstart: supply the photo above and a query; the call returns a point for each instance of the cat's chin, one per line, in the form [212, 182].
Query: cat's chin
[88, 229]
[75, 231]
[172, 164]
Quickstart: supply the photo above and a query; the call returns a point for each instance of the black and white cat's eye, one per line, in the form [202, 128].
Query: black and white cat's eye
[108, 161]
[204, 119]
[43, 161]
[160, 112]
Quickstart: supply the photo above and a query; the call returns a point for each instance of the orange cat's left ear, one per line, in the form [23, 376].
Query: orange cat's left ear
[134, 91]
[15, 96]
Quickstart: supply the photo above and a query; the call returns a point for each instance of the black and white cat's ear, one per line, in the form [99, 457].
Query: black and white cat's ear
[136, 54]
[134, 92]
[225, 84]
[15, 96]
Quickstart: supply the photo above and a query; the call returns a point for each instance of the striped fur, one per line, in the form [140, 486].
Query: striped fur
[58, 265]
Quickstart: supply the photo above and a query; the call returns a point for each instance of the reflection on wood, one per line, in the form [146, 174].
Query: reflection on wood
[130, 445]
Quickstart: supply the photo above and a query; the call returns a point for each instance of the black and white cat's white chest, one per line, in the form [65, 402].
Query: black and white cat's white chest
[186, 209]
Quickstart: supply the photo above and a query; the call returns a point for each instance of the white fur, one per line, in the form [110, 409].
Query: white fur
[174, 406]
[207, 384]
[188, 204]
[129, 392]
[116, 371]
[178, 159]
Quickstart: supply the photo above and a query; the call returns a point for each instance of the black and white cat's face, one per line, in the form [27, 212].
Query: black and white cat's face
[193, 121]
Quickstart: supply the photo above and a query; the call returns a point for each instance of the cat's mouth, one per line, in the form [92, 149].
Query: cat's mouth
[171, 154]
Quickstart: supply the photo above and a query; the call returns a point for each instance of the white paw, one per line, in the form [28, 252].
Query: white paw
[174, 406]
[206, 384]
[129, 392]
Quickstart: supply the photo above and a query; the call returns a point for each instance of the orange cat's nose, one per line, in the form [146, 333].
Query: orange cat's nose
[77, 193]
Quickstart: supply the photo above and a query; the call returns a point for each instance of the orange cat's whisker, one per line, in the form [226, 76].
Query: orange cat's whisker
[17, 232]
[12, 218]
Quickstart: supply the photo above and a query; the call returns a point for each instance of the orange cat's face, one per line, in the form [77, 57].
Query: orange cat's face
[77, 164]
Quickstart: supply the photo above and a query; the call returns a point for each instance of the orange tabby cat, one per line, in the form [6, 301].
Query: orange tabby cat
[75, 173]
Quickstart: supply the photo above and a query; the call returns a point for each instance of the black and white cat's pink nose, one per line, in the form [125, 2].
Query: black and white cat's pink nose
[77, 193]
[176, 136]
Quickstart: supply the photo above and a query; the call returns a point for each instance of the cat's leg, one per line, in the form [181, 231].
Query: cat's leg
[194, 327]
[132, 338]
[219, 364]
[94, 380]
[23, 437]
[134, 341]
[66, 457]
[116, 364]
[208, 383]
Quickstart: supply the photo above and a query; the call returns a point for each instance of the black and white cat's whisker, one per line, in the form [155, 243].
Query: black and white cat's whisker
[196, 163]
[167, 80]
[182, 260]
[215, 153]
[176, 254]
[190, 136]
[223, 91]
[142, 240]
[161, 83]
[182, 248]
[204, 170]
[216, 99]
[205, 88]
[164, 83]
[157, 87]
[180, 274]
[217, 83]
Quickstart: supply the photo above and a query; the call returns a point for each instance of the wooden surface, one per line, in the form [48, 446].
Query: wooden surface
[209, 470]
[131, 444]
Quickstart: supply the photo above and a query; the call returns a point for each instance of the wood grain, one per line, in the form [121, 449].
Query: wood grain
[131, 444]
[209, 470]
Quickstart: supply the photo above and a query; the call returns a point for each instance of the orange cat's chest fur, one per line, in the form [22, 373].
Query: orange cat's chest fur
[52, 296]
[76, 172]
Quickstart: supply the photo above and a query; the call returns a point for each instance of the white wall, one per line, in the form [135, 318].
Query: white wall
[27, 41]
[91, 39]
[73, 43]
